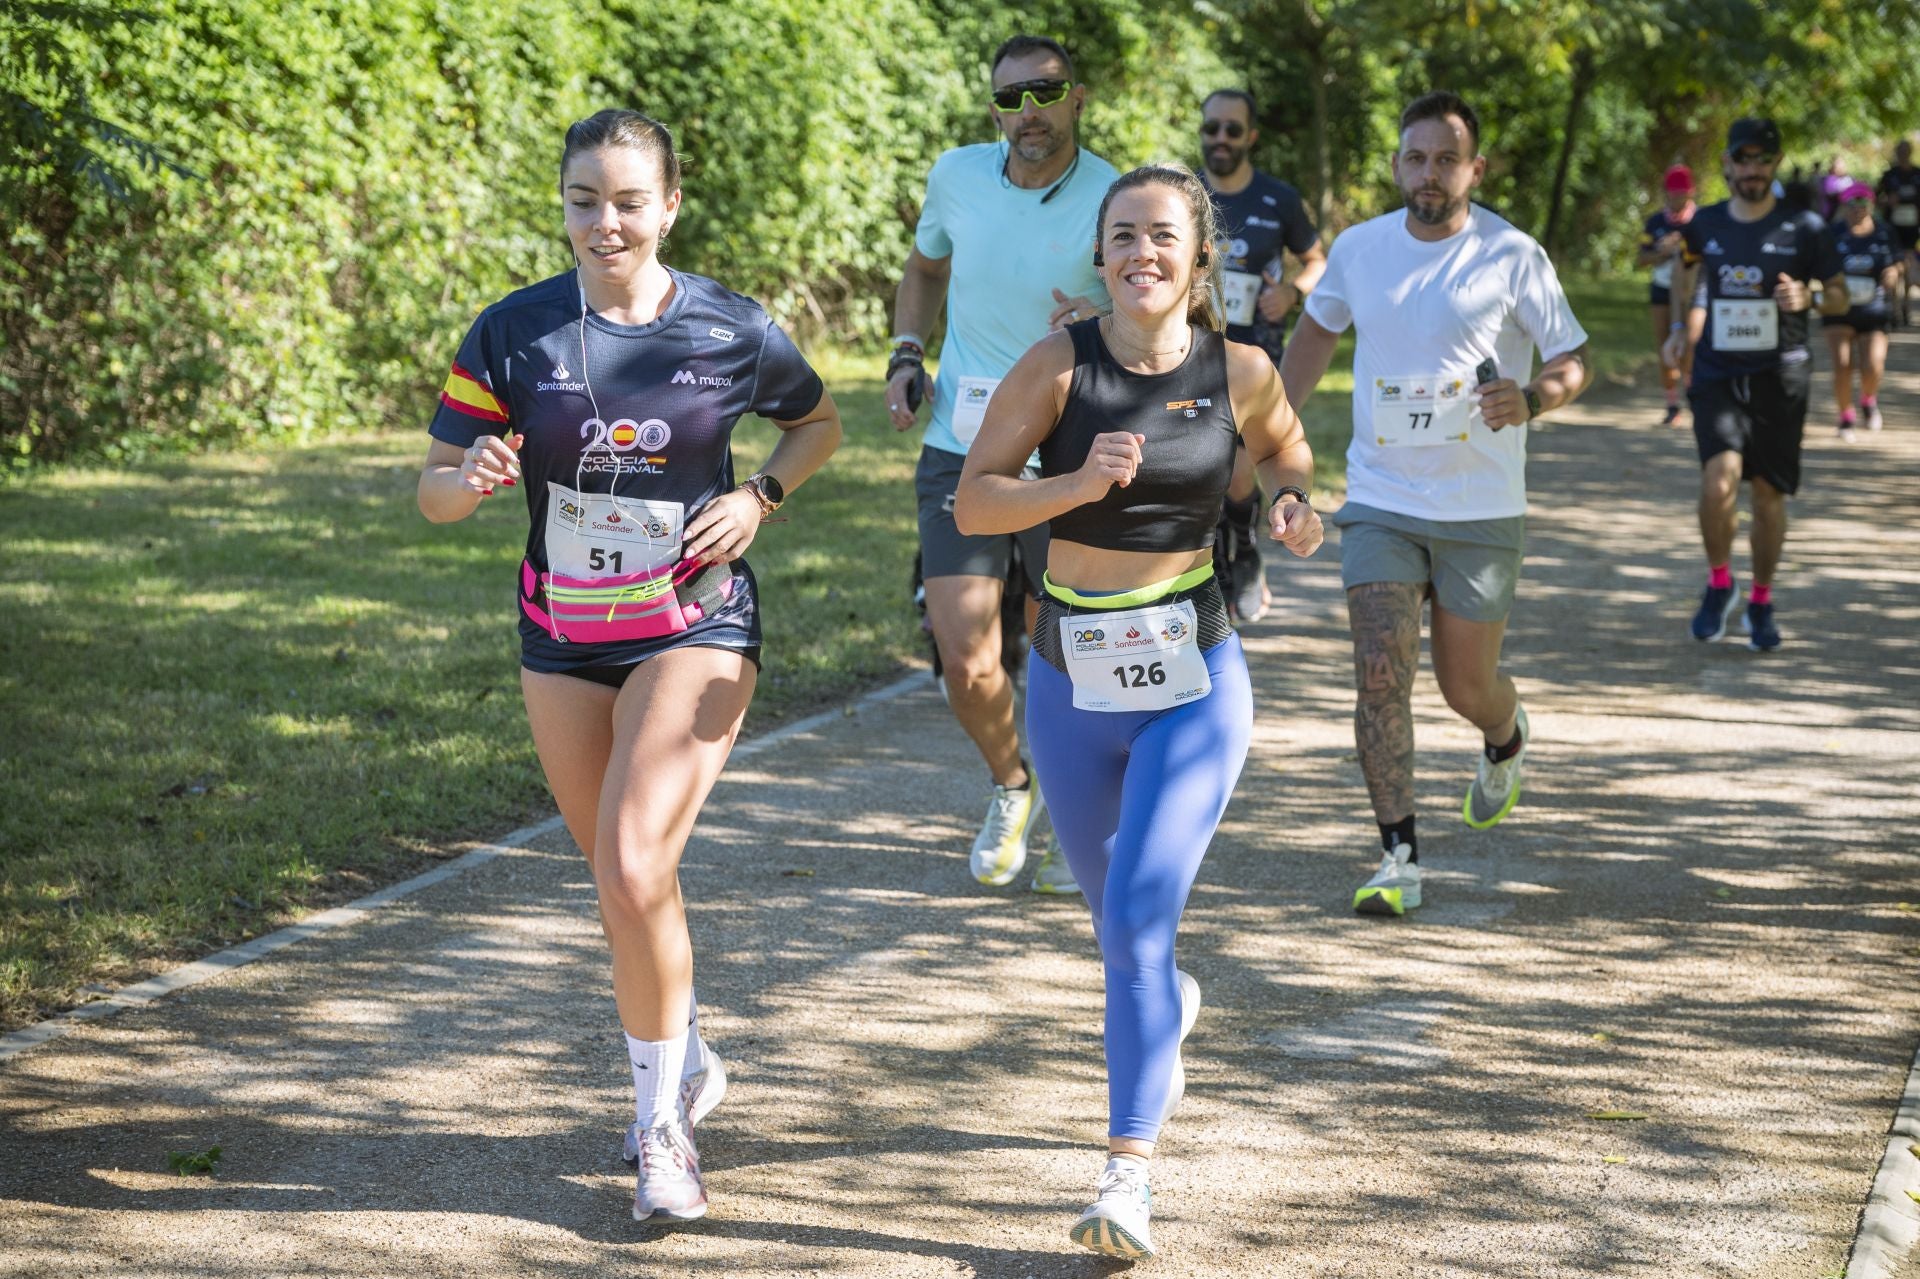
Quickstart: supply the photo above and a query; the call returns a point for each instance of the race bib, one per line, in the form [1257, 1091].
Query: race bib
[592, 535]
[970, 408]
[1663, 274]
[1421, 411]
[1240, 292]
[1746, 324]
[1143, 659]
[1861, 290]
[1906, 215]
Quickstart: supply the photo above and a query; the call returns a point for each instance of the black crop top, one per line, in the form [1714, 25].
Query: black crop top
[1186, 462]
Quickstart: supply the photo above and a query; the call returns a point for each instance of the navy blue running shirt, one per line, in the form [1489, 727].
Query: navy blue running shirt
[1255, 224]
[1740, 263]
[668, 395]
[1863, 258]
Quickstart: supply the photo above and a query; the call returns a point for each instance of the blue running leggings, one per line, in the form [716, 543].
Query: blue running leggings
[1135, 797]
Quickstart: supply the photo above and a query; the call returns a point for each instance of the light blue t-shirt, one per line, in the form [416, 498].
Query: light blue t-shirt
[1009, 253]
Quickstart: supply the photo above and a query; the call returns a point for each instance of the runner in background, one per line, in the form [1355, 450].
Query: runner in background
[1002, 292]
[1748, 269]
[1899, 193]
[1871, 262]
[1660, 247]
[1262, 221]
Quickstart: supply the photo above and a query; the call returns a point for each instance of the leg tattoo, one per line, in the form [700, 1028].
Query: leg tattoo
[1385, 619]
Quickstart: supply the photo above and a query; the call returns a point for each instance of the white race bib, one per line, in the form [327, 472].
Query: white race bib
[1143, 659]
[1663, 274]
[1906, 215]
[1746, 324]
[591, 535]
[1240, 292]
[970, 408]
[1861, 290]
[1421, 411]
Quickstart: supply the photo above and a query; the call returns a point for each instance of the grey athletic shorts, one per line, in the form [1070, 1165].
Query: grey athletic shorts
[947, 552]
[1472, 566]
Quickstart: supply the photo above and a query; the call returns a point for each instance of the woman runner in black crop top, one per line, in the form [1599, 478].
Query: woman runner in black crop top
[612, 390]
[1139, 707]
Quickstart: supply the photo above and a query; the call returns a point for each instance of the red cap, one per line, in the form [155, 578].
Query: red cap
[1679, 178]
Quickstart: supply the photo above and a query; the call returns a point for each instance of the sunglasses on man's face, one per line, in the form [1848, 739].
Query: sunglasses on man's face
[1232, 128]
[1044, 93]
[1751, 158]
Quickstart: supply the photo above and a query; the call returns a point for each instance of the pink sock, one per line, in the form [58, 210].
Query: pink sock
[1846, 417]
[1673, 395]
[1761, 594]
[1720, 577]
[1868, 401]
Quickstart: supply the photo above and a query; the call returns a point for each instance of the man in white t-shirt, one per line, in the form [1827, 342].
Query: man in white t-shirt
[1005, 242]
[1448, 303]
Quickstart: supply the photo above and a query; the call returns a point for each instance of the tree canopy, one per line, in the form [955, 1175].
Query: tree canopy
[238, 218]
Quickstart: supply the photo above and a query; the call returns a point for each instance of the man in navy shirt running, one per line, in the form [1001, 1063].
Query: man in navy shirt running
[1746, 268]
[1260, 218]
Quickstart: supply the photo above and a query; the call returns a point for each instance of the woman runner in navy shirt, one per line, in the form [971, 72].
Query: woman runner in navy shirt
[612, 391]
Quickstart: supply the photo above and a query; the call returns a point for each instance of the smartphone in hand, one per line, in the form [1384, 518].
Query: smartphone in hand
[1485, 373]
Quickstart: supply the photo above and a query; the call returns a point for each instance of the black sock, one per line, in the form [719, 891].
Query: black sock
[1496, 754]
[1028, 770]
[1393, 834]
[1241, 514]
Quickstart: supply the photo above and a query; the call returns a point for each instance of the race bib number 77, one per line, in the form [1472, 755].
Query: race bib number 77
[1421, 411]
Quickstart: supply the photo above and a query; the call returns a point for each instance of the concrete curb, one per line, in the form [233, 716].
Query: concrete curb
[1890, 1226]
[143, 993]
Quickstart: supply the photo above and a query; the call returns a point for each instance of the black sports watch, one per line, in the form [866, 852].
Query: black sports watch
[1533, 402]
[769, 492]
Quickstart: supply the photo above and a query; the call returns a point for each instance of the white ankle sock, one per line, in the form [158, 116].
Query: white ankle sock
[696, 1046]
[657, 1068]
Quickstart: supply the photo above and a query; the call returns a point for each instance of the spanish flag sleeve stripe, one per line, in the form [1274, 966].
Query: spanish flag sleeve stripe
[465, 393]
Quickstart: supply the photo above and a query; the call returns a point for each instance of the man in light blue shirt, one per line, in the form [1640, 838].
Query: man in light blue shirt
[1005, 239]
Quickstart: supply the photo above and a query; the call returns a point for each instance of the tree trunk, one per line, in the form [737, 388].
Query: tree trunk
[1322, 76]
[1582, 82]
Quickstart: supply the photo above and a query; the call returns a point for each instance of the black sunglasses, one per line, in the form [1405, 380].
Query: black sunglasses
[1232, 128]
[1045, 93]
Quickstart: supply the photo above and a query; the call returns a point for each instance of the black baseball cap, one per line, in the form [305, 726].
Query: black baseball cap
[1754, 131]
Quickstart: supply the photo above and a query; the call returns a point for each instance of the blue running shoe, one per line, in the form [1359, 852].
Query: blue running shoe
[1762, 635]
[1716, 606]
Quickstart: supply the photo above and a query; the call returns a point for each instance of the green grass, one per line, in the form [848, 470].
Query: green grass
[239, 686]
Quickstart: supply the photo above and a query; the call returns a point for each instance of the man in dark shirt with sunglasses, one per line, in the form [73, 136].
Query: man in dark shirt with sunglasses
[1261, 218]
[1005, 244]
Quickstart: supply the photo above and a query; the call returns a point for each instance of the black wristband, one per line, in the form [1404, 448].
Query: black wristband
[1299, 494]
[906, 355]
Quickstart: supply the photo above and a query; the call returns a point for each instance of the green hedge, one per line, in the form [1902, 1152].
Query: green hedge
[229, 219]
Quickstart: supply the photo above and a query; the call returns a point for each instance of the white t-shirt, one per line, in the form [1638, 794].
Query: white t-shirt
[1425, 315]
[1011, 248]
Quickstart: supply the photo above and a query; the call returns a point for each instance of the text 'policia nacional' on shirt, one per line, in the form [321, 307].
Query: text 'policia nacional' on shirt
[1010, 252]
[1425, 313]
[668, 394]
[1740, 264]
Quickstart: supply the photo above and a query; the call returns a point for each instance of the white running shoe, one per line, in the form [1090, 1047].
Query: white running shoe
[1115, 1223]
[1000, 849]
[1189, 1013]
[1394, 888]
[668, 1182]
[1496, 788]
[1874, 422]
[700, 1092]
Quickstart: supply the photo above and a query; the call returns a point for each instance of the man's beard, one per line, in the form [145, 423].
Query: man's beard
[1433, 214]
[1038, 149]
[1224, 160]
[1760, 188]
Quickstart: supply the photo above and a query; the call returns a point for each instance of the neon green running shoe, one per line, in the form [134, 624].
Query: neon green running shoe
[1496, 789]
[1394, 888]
[1000, 849]
[1052, 875]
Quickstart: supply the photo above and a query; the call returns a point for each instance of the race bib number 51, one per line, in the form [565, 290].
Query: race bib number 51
[1421, 411]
